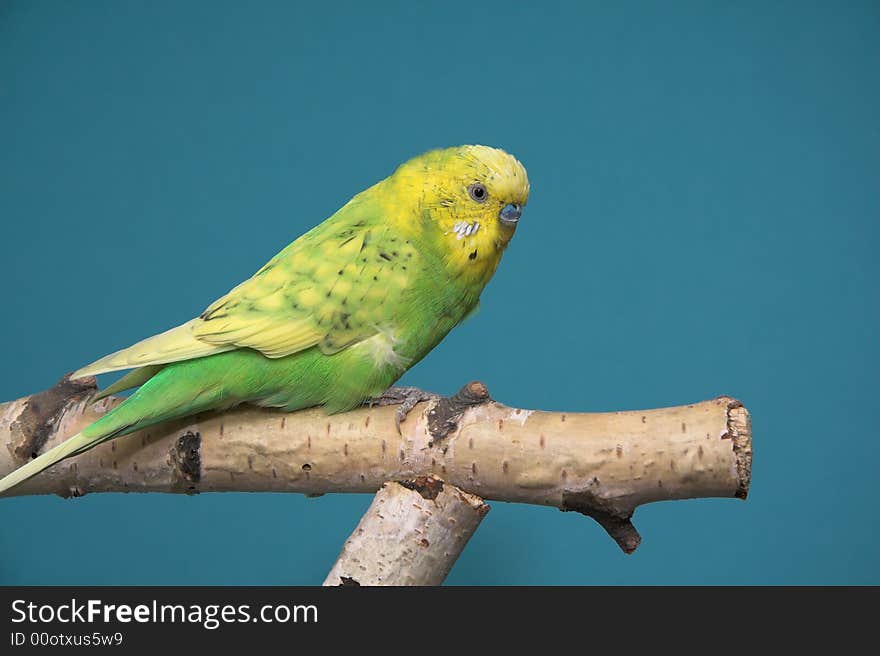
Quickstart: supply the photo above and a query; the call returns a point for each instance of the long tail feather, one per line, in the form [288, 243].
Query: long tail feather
[76, 444]
[134, 378]
[176, 390]
[173, 345]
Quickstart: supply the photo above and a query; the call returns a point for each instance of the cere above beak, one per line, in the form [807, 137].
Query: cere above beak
[510, 214]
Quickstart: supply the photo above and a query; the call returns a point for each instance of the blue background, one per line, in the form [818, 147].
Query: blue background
[703, 220]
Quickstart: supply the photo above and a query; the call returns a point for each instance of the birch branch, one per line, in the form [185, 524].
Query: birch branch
[603, 465]
[411, 534]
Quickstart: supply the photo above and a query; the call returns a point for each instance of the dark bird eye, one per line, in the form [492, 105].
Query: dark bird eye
[478, 192]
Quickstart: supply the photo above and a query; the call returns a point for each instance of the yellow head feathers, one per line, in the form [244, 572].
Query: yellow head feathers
[444, 176]
[466, 199]
[503, 174]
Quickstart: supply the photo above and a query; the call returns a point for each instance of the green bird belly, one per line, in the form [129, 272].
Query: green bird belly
[338, 382]
[412, 323]
[309, 378]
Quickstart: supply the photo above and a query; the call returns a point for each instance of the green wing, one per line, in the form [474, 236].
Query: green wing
[330, 288]
[323, 292]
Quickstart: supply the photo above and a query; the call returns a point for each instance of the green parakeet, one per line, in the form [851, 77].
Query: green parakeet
[338, 315]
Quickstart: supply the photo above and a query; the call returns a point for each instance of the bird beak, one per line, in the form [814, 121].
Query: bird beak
[510, 214]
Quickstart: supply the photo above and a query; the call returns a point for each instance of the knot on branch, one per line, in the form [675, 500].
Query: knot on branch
[186, 458]
[444, 416]
[616, 523]
[429, 487]
[41, 414]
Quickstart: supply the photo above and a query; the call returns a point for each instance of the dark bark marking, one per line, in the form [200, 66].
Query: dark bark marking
[429, 487]
[186, 458]
[616, 523]
[42, 412]
[444, 416]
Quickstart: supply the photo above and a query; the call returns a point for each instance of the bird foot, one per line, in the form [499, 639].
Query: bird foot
[405, 397]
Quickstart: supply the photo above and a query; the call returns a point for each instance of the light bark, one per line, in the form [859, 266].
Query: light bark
[603, 465]
[411, 534]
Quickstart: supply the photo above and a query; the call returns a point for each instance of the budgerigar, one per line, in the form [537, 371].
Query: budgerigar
[337, 316]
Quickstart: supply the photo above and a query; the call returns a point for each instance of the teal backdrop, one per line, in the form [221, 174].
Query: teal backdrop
[704, 220]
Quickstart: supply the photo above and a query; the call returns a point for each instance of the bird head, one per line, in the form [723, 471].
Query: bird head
[468, 198]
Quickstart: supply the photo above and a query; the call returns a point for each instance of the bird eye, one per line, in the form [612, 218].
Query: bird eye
[478, 192]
